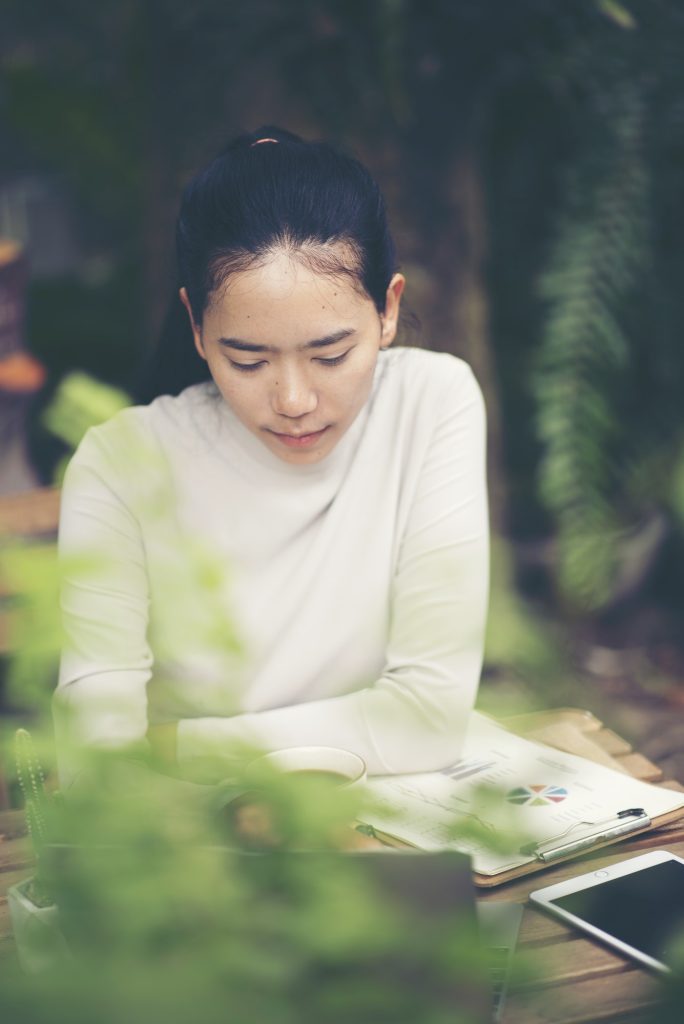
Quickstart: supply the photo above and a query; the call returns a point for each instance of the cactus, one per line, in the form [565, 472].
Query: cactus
[37, 803]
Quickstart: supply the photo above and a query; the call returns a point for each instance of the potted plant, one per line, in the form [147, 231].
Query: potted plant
[33, 911]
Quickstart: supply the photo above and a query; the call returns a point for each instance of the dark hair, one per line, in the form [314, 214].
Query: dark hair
[257, 197]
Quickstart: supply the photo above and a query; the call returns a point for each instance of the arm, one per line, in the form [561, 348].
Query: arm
[104, 598]
[414, 717]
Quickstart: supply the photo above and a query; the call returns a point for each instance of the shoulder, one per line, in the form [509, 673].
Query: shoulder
[434, 382]
[137, 437]
[166, 416]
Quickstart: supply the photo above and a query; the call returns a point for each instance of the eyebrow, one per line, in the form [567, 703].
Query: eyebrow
[248, 346]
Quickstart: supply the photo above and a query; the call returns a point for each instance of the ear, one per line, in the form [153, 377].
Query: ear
[197, 337]
[390, 317]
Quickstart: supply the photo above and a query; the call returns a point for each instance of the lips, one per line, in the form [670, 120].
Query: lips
[299, 440]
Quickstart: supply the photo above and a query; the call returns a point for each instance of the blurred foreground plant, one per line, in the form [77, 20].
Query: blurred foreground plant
[29, 577]
[169, 918]
[38, 810]
[80, 402]
[168, 912]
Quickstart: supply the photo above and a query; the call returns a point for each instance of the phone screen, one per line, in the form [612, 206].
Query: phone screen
[644, 909]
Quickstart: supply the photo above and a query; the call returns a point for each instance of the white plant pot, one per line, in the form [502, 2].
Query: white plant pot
[39, 940]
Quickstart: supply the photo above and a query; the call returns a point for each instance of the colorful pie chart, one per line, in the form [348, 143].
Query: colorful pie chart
[537, 796]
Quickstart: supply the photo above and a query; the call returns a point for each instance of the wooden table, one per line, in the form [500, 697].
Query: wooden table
[16, 859]
[578, 980]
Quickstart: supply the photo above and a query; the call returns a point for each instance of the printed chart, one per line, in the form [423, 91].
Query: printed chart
[537, 796]
[504, 798]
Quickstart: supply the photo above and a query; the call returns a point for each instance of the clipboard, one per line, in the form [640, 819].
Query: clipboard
[577, 731]
[580, 733]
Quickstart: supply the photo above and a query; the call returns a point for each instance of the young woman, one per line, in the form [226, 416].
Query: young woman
[338, 484]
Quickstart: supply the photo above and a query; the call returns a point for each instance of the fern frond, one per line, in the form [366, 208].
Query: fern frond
[600, 252]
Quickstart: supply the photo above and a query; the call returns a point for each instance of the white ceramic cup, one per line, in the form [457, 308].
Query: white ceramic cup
[334, 762]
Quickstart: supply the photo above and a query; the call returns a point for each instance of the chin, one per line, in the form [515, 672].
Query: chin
[302, 458]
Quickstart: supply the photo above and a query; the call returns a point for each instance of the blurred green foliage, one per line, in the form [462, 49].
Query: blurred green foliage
[600, 255]
[30, 575]
[168, 905]
[173, 904]
[530, 157]
[79, 402]
[169, 917]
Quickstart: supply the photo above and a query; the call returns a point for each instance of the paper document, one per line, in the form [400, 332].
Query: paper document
[510, 789]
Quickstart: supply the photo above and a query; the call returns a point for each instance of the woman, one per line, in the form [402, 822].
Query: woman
[339, 485]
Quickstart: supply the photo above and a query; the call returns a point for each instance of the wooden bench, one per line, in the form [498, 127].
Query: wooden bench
[27, 516]
[30, 514]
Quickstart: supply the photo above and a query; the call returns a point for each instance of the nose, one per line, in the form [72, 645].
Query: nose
[292, 396]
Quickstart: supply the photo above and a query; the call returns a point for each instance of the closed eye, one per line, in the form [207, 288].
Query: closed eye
[251, 367]
[334, 360]
[247, 367]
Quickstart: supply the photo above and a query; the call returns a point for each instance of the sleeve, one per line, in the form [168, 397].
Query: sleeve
[414, 717]
[106, 661]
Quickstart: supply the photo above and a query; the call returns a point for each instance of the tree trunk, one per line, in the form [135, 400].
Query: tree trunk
[469, 308]
[456, 313]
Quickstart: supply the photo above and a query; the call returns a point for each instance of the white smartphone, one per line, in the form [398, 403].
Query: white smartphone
[636, 906]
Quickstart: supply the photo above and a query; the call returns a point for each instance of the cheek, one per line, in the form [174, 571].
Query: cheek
[358, 381]
[239, 392]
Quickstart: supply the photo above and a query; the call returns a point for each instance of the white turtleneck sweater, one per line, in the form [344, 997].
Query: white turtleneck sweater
[356, 586]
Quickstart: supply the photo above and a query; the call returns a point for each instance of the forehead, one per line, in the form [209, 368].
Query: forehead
[286, 295]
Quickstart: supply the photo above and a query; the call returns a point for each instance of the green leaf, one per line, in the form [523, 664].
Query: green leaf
[618, 13]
